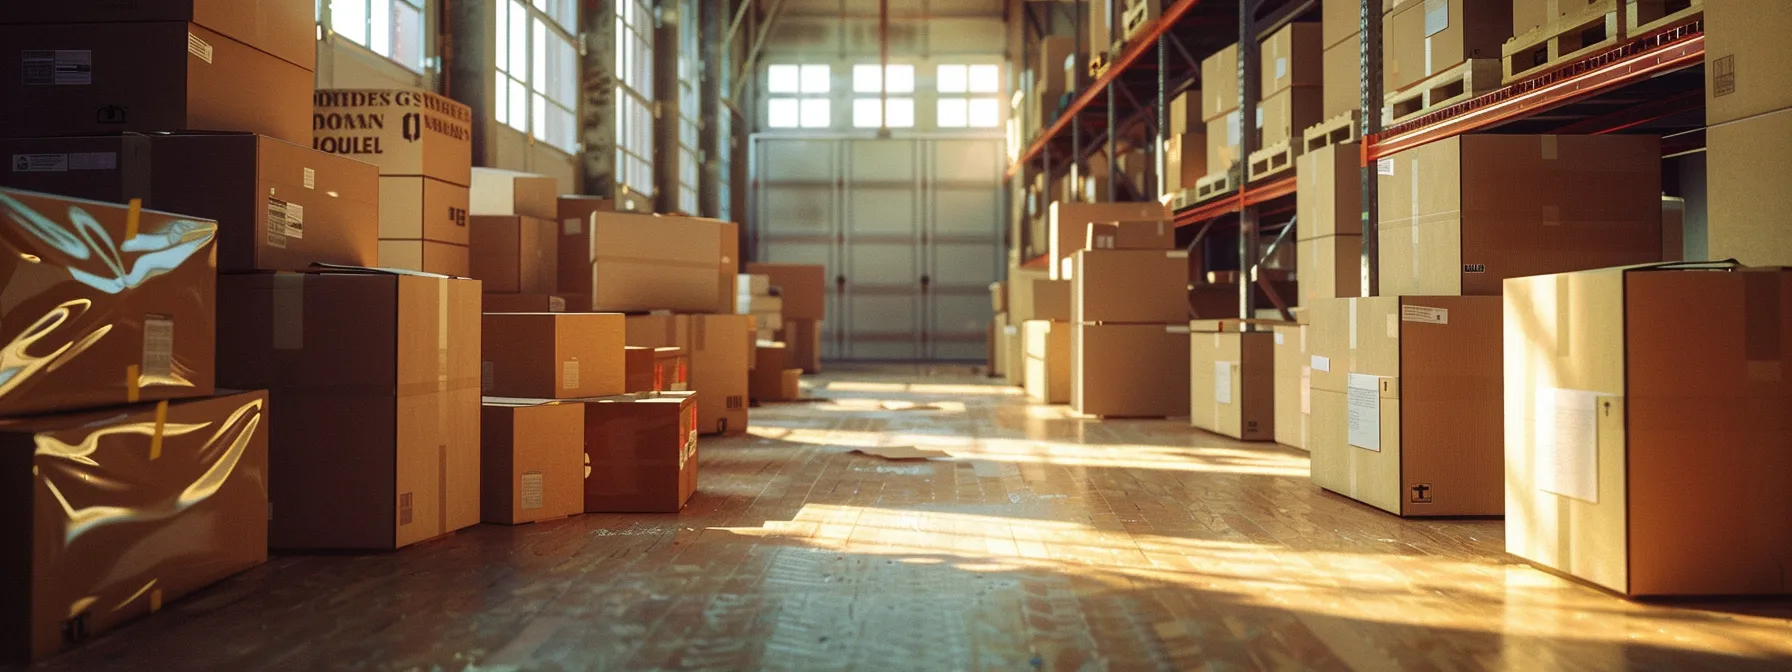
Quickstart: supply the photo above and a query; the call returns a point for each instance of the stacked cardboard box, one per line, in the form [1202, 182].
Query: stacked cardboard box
[720, 348]
[1067, 228]
[641, 452]
[802, 289]
[1232, 379]
[532, 460]
[661, 369]
[757, 299]
[1185, 148]
[1129, 337]
[770, 378]
[1291, 97]
[1294, 384]
[1748, 111]
[1219, 110]
[638, 263]
[1341, 37]
[1044, 342]
[1328, 211]
[1425, 39]
[512, 236]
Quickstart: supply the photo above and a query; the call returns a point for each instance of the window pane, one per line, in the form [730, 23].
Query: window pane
[503, 51]
[866, 79]
[817, 113]
[782, 113]
[901, 79]
[815, 79]
[407, 35]
[538, 70]
[501, 106]
[985, 113]
[519, 106]
[783, 79]
[379, 32]
[563, 12]
[953, 113]
[985, 78]
[867, 113]
[519, 40]
[901, 113]
[349, 19]
[953, 79]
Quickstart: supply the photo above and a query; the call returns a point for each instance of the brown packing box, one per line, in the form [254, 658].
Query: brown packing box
[1285, 116]
[406, 132]
[1343, 80]
[1051, 300]
[1232, 383]
[1291, 57]
[638, 372]
[1294, 380]
[283, 28]
[803, 287]
[1329, 267]
[1343, 19]
[107, 521]
[425, 256]
[531, 460]
[327, 207]
[1152, 235]
[375, 425]
[1219, 84]
[1421, 433]
[803, 337]
[660, 369]
[533, 303]
[1021, 282]
[720, 348]
[507, 192]
[514, 254]
[1185, 113]
[1746, 70]
[146, 77]
[639, 263]
[1046, 350]
[1138, 286]
[1426, 38]
[552, 355]
[767, 378]
[1224, 133]
[640, 452]
[1053, 50]
[1747, 164]
[98, 339]
[1589, 202]
[1068, 227]
[422, 208]
[1329, 192]
[1129, 370]
[1185, 160]
[1646, 428]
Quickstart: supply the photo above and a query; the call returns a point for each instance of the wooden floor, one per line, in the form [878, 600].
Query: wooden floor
[1045, 542]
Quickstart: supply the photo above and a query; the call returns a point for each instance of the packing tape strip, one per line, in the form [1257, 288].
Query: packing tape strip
[155, 440]
[133, 217]
[131, 374]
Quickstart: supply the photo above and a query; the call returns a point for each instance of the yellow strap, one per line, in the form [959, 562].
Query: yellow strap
[155, 600]
[132, 217]
[131, 373]
[155, 441]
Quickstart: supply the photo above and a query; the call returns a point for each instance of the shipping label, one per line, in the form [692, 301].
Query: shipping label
[56, 67]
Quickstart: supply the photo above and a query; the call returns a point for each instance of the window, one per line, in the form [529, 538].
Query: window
[690, 107]
[634, 95]
[537, 71]
[885, 110]
[969, 96]
[390, 28]
[799, 96]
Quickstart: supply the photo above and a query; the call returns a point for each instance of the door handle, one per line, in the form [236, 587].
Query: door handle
[926, 280]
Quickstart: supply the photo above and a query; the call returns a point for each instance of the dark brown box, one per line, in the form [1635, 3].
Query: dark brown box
[532, 462]
[514, 254]
[283, 28]
[803, 287]
[641, 452]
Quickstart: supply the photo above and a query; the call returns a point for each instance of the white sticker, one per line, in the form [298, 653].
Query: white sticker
[1281, 67]
[1425, 315]
[570, 227]
[295, 221]
[1567, 440]
[1384, 166]
[530, 490]
[556, 304]
[310, 179]
[199, 47]
[569, 374]
[485, 376]
[1177, 329]
[56, 67]
[1222, 382]
[1364, 411]
[1322, 363]
[158, 348]
[1280, 340]
[93, 161]
[276, 224]
[40, 163]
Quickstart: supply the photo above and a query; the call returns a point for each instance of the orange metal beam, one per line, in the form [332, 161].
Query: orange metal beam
[1249, 195]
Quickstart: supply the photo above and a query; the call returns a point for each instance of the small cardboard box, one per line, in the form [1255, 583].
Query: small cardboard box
[1130, 286]
[531, 460]
[1219, 84]
[642, 263]
[283, 28]
[804, 340]
[405, 132]
[1294, 385]
[508, 193]
[87, 340]
[514, 254]
[422, 208]
[767, 377]
[1291, 57]
[803, 288]
[1185, 113]
[1343, 79]
[552, 355]
[1047, 354]
[720, 348]
[1328, 193]
[1067, 227]
[1232, 383]
[1224, 133]
[1185, 160]
[1426, 38]
[638, 372]
[640, 452]
[1129, 370]
[1285, 116]
[1747, 163]
[1329, 268]
[1051, 300]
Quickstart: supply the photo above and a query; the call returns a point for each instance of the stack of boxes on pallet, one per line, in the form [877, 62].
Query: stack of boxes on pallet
[1129, 314]
[1292, 97]
[1748, 115]
[1341, 33]
[1225, 124]
[802, 293]
[771, 377]
[1184, 149]
[1438, 53]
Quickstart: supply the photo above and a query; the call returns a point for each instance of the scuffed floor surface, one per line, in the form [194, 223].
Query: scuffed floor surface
[1044, 542]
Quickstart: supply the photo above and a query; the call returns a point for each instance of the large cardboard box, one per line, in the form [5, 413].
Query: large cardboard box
[1153, 235]
[1285, 116]
[373, 379]
[86, 333]
[641, 452]
[1747, 162]
[1067, 227]
[767, 381]
[1053, 51]
[1130, 286]
[1329, 267]
[1406, 410]
[279, 206]
[1185, 113]
[1232, 382]
[1450, 223]
[94, 78]
[1343, 78]
[425, 256]
[1343, 19]
[661, 369]
[405, 132]
[1046, 349]
[113, 513]
[1426, 38]
[514, 254]
[804, 288]
[639, 263]
[416, 209]
[1185, 160]
[1051, 300]
[531, 460]
[1129, 370]
[509, 193]
[552, 355]
[1224, 133]
[1746, 70]
[283, 28]
[1328, 193]
[1646, 427]
[1291, 57]
[1219, 85]
[720, 348]
[1294, 385]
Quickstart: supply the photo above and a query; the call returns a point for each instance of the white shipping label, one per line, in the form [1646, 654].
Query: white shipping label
[1364, 411]
[1384, 167]
[1281, 67]
[295, 221]
[1281, 339]
[40, 163]
[199, 47]
[569, 375]
[158, 348]
[93, 161]
[1425, 315]
[1222, 382]
[571, 227]
[310, 179]
[485, 376]
[556, 304]
[1322, 363]
[530, 490]
[1566, 435]
[56, 67]
[276, 224]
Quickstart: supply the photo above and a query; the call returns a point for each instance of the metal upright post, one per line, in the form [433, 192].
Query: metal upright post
[1160, 160]
[1370, 46]
[1114, 171]
[1248, 68]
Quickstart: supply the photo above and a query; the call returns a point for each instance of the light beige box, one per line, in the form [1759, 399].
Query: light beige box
[1232, 383]
[1047, 354]
[1294, 380]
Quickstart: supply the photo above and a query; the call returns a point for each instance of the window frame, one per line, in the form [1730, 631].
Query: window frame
[529, 113]
[325, 15]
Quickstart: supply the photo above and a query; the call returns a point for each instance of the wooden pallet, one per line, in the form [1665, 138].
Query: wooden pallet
[1674, 13]
[1217, 184]
[1563, 40]
[1337, 130]
[1098, 66]
[1275, 159]
[1458, 84]
[1183, 198]
[1134, 19]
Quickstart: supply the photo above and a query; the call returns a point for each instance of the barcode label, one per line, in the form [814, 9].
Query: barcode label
[310, 179]
[39, 163]
[276, 223]
[158, 347]
[530, 488]
[56, 67]
[569, 375]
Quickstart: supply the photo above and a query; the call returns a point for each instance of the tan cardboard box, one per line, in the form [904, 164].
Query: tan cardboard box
[406, 132]
[691, 262]
[1219, 85]
[509, 193]
[1021, 282]
[767, 380]
[1329, 267]
[720, 348]
[1185, 159]
[1047, 353]
[1294, 381]
[426, 256]
[804, 287]
[1130, 286]
[533, 303]
[1747, 163]
[1746, 69]
[1291, 57]
[1406, 403]
[638, 371]
[1185, 113]
[82, 341]
[1285, 116]
[1053, 51]
[283, 28]
[1426, 38]
[103, 78]
[1153, 235]
[1588, 202]
[1232, 383]
[422, 208]
[1129, 370]
[1342, 19]
[1067, 227]
[1329, 192]
[1051, 300]
[1343, 78]
[552, 355]
[326, 207]
[640, 452]
[804, 340]
[514, 255]
[1224, 133]
[376, 436]
[531, 460]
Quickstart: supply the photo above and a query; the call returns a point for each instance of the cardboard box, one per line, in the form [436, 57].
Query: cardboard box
[1291, 57]
[552, 355]
[1343, 19]
[283, 28]
[425, 256]
[1285, 116]
[761, 285]
[639, 263]
[1051, 300]
[640, 452]
[155, 521]
[1232, 383]
[405, 132]
[1406, 403]
[1185, 113]
[1099, 29]
[769, 379]
[327, 207]
[1046, 350]
[1588, 202]
[1185, 160]
[720, 349]
[1129, 370]
[531, 460]
[1747, 72]
[803, 287]
[103, 78]
[754, 305]
[1645, 428]
[511, 193]
[998, 296]
[1330, 267]
[660, 369]
[638, 372]
[376, 435]
[514, 254]
[1224, 133]
[1219, 85]
[1294, 385]
[1343, 78]
[532, 303]
[1130, 286]
[1021, 282]
[804, 340]
[1328, 193]
[1746, 165]
[1053, 50]
[422, 208]
[82, 335]
[1068, 227]
[1426, 38]
[1153, 235]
